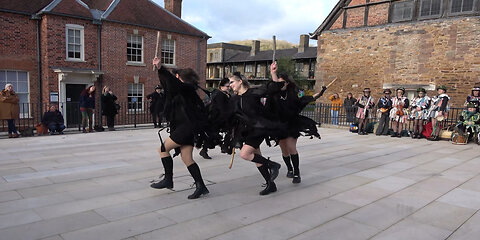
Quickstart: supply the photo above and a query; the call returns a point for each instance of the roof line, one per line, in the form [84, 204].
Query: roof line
[110, 8]
[328, 19]
[83, 4]
[152, 27]
[175, 16]
[50, 6]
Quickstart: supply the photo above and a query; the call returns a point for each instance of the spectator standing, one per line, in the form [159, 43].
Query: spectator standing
[157, 100]
[9, 109]
[349, 103]
[336, 105]
[109, 107]
[87, 105]
[54, 121]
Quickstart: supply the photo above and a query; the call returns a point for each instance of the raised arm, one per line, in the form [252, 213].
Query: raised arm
[273, 71]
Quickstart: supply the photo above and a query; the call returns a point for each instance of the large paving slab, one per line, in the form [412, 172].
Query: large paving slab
[96, 186]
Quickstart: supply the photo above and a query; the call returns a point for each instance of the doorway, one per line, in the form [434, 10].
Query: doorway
[73, 115]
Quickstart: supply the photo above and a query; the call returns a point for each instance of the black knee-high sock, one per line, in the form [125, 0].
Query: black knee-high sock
[265, 173]
[168, 166]
[260, 159]
[288, 162]
[295, 162]
[195, 172]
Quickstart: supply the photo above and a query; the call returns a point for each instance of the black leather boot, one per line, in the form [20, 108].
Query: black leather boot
[296, 169]
[288, 163]
[204, 153]
[167, 181]
[200, 189]
[273, 166]
[270, 186]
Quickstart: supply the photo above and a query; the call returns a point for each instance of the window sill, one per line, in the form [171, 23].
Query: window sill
[136, 64]
[75, 60]
[132, 112]
[169, 65]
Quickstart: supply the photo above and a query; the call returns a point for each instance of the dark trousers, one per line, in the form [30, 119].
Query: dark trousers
[11, 126]
[157, 116]
[110, 121]
[59, 127]
[383, 124]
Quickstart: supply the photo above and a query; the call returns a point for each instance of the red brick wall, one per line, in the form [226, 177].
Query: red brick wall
[378, 14]
[357, 2]
[18, 47]
[434, 52]
[355, 17]
[338, 23]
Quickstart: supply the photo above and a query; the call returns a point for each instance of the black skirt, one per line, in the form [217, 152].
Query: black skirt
[183, 135]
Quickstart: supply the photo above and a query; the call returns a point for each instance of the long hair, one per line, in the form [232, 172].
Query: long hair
[188, 75]
[86, 91]
[292, 86]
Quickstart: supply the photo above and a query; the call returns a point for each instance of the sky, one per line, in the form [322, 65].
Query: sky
[227, 20]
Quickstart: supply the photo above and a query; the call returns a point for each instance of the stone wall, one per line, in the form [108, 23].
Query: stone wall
[426, 53]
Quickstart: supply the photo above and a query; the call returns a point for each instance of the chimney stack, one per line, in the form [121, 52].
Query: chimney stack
[304, 43]
[174, 6]
[255, 48]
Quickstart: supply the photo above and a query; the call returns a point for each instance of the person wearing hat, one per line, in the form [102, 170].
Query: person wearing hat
[438, 111]
[365, 104]
[157, 101]
[384, 106]
[398, 113]
[475, 97]
[469, 123]
[420, 105]
[9, 109]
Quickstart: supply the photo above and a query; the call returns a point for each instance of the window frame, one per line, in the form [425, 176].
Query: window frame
[174, 52]
[249, 68]
[474, 9]
[23, 115]
[392, 11]
[439, 15]
[140, 107]
[80, 28]
[142, 49]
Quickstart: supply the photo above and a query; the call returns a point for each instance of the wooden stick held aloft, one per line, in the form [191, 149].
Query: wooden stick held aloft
[274, 48]
[231, 161]
[331, 82]
[156, 48]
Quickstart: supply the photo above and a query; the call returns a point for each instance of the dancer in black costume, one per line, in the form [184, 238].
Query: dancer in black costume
[253, 125]
[288, 105]
[181, 109]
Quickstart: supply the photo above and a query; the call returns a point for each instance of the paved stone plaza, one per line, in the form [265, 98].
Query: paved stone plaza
[96, 186]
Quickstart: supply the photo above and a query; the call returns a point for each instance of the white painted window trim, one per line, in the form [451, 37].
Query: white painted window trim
[450, 6]
[135, 63]
[22, 115]
[174, 52]
[82, 42]
[141, 109]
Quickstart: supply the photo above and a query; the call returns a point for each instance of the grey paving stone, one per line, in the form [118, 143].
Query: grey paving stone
[462, 198]
[408, 229]
[9, 196]
[121, 229]
[469, 230]
[443, 215]
[35, 202]
[46, 228]
[18, 218]
[339, 229]
[361, 196]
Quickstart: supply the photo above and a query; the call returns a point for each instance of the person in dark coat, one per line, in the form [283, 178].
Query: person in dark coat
[183, 108]
[216, 114]
[288, 105]
[54, 121]
[253, 126]
[157, 100]
[384, 106]
[349, 105]
[109, 107]
[87, 105]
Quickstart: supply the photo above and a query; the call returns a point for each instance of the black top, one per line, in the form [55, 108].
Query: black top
[219, 108]
[52, 117]
[108, 104]
[182, 103]
[349, 102]
[157, 103]
[87, 101]
[385, 103]
[287, 105]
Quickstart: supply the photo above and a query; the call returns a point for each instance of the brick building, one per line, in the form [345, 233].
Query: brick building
[225, 58]
[410, 43]
[52, 49]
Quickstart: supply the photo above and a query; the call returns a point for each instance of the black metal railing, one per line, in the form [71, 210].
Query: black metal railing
[322, 114]
[129, 114]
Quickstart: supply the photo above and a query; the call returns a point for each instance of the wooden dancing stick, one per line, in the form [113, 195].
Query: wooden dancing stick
[274, 48]
[231, 161]
[331, 82]
[156, 49]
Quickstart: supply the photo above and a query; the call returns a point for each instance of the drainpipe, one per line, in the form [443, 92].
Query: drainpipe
[100, 78]
[39, 66]
[199, 53]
